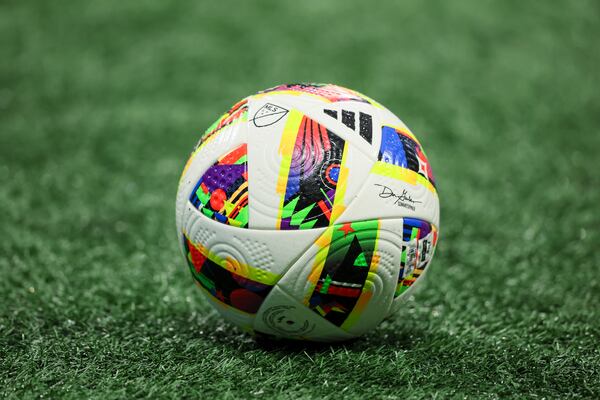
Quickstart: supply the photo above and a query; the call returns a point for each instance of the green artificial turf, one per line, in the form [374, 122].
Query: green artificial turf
[101, 102]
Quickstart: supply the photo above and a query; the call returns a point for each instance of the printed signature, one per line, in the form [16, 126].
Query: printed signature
[400, 199]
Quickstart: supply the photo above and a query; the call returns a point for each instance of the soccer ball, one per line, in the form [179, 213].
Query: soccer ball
[307, 211]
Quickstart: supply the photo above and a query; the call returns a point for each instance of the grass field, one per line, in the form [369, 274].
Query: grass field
[100, 104]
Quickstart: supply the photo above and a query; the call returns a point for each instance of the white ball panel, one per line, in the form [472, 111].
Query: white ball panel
[382, 281]
[278, 251]
[282, 315]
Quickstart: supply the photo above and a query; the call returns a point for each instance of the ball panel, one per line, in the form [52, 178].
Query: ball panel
[348, 276]
[400, 182]
[223, 258]
[283, 315]
[270, 251]
[308, 198]
[303, 173]
[420, 240]
[338, 276]
[388, 195]
[221, 193]
[237, 317]
[269, 122]
[349, 120]
[401, 148]
[223, 276]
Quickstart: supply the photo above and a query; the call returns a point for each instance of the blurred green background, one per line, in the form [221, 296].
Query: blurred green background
[101, 102]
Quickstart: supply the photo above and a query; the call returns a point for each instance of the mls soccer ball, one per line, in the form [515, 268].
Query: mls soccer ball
[307, 211]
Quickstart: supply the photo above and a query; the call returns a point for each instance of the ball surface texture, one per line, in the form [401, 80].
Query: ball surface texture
[307, 211]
